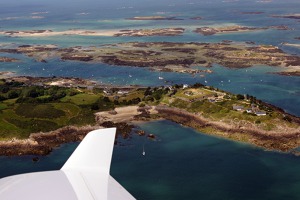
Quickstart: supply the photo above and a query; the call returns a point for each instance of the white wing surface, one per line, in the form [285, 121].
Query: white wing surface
[85, 176]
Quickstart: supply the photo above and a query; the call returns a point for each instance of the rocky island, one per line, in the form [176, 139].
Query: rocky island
[252, 13]
[224, 30]
[151, 32]
[289, 16]
[153, 18]
[7, 59]
[167, 56]
[35, 118]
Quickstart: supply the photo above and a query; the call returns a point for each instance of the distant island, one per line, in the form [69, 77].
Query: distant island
[7, 59]
[112, 33]
[168, 56]
[289, 73]
[38, 114]
[150, 32]
[197, 18]
[234, 29]
[153, 18]
[289, 16]
[47, 33]
[227, 29]
[252, 13]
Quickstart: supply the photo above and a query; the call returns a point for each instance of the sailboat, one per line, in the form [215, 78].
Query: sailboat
[144, 153]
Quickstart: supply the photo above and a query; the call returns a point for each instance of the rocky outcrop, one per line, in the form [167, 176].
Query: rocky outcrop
[43, 143]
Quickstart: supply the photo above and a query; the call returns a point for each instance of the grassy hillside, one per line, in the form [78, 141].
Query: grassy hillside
[26, 109]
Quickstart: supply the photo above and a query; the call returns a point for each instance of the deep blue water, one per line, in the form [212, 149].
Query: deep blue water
[182, 164]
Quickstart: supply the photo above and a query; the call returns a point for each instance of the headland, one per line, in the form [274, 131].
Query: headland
[36, 117]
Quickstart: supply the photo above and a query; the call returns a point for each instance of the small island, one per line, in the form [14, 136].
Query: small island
[196, 18]
[151, 32]
[289, 73]
[153, 18]
[225, 30]
[7, 59]
[252, 13]
[289, 16]
[38, 114]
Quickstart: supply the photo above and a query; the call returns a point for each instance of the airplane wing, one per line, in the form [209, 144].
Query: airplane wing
[85, 176]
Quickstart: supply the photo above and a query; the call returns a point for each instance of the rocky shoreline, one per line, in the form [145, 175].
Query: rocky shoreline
[43, 143]
[272, 141]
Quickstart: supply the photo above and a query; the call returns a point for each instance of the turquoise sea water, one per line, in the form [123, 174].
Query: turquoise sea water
[182, 164]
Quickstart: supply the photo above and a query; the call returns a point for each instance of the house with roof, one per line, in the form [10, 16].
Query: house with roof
[261, 113]
[238, 108]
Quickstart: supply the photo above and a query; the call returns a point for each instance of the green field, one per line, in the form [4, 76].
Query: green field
[38, 109]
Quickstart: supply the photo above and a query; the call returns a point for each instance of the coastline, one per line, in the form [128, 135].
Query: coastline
[49, 33]
[123, 117]
[268, 140]
[43, 143]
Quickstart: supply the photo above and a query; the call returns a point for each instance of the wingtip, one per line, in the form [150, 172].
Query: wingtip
[94, 152]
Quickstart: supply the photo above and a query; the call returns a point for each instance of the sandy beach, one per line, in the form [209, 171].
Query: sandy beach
[122, 114]
[48, 33]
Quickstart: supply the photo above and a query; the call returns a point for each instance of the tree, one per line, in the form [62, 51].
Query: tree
[95, 106]
[148, 91]
[198, 85]
[106, 99]
[240, 97]
[32, 93]
[12, 94]
[2, 98]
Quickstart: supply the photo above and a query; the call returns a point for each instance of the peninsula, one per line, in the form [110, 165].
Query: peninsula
[36, 117]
